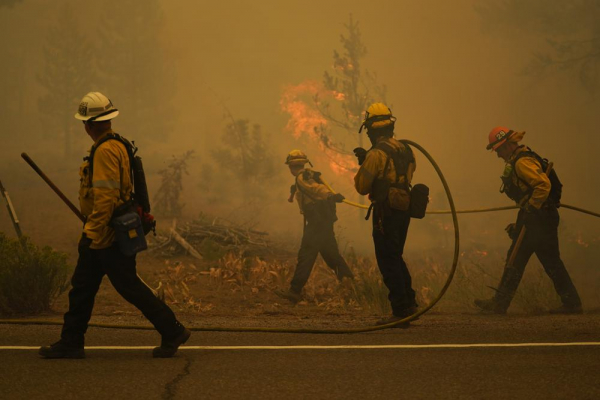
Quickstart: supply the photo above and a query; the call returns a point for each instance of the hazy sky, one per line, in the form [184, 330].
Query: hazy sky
[449, 82]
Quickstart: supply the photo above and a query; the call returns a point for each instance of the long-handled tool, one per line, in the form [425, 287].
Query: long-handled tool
[11, 211]
[66, 201]
[60, 194]
[517, 246]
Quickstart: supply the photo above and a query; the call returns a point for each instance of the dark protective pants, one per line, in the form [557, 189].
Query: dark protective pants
[91, 267]
[389, 238]
[318, 238]
[541, 238]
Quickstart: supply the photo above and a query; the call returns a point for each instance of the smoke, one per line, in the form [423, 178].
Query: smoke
[173, 67]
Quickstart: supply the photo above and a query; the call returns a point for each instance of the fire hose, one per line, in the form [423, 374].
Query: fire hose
[452, 211]
[281, 330]
[468, 211]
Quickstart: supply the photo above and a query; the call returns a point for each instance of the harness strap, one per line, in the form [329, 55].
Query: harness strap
[129, 147]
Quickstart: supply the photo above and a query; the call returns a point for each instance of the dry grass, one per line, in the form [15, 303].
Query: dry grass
[477, 273]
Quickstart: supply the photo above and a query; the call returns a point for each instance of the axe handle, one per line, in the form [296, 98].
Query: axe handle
[60, 194]
[513, 254]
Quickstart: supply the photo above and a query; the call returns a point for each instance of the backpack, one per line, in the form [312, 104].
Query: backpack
[319, 210]
[419, 194]
[140, 200]
[556, 185]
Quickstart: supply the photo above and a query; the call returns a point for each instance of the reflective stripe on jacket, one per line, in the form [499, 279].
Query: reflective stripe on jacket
[110, 187]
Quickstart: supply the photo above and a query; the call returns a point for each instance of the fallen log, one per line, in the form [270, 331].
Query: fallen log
[183, 243]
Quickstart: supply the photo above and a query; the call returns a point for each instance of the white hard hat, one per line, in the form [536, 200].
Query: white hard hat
[96, 107]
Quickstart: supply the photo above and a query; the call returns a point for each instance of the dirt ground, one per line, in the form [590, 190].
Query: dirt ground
[48, 222]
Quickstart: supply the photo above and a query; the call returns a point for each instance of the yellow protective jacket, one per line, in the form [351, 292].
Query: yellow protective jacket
[528, 176]
[372, 169]
[109, 187]
[309, 190]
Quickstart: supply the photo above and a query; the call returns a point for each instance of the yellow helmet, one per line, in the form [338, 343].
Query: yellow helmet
[378, 115]
[296, 157]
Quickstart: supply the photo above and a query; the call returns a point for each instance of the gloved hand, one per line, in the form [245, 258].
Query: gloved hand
[512, 231]
[84, 244]
[292, 193]
[361, 154]
[338, 197]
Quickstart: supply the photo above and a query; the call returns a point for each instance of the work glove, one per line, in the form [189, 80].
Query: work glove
[338, 197]
[292, 193]
[360, 154]
[512, 231]
[84, 244]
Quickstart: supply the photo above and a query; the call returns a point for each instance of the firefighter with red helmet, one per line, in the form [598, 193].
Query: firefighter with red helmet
[529, 181]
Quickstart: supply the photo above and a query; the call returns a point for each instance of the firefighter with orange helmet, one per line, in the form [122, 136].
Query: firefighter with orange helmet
[318, 206]
[535, 188]
[385, 175]
[106, 185]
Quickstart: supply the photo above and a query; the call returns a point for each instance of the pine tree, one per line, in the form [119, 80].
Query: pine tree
[571, 29]
[332, 111]
[353, 88]
[67, 75]
[243, 163]
[135, 72]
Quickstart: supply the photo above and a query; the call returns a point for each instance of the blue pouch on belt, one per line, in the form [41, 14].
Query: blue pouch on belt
[129, 233]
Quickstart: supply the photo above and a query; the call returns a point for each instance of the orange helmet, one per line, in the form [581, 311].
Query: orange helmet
[498, 136]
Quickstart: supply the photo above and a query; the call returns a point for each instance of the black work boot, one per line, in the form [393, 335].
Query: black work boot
[490, 306]
[61, 350]
[290, 295]
[168, 348]
[564, 309]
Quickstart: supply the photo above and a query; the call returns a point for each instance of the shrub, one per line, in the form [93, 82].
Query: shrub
[30, 278]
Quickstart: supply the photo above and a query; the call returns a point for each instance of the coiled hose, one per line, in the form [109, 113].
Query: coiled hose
[307, 330]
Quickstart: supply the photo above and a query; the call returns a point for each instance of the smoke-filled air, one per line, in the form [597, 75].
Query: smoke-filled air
[246, 118]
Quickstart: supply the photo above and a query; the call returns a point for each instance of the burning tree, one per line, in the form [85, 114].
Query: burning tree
[330, 112]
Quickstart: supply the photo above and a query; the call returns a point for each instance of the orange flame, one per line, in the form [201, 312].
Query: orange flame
[305, 119]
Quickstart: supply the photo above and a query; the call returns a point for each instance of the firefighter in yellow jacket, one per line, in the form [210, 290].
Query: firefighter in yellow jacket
[527, 181]
[385, 176]
[106, 184]
[318, 206]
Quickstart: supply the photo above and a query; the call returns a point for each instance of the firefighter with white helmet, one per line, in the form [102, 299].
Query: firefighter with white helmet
[532, 184]
[96, 107]
[106, 187]
[385, 176]
[318, 206]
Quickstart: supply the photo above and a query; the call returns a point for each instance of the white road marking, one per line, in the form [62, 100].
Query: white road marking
[340, 347]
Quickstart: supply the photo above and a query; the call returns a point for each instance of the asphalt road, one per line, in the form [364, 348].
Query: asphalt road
[527, 371]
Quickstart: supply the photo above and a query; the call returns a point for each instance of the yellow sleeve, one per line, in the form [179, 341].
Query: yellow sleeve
[530, 171]
[369, 170]
[106, 186]
[312, 189]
